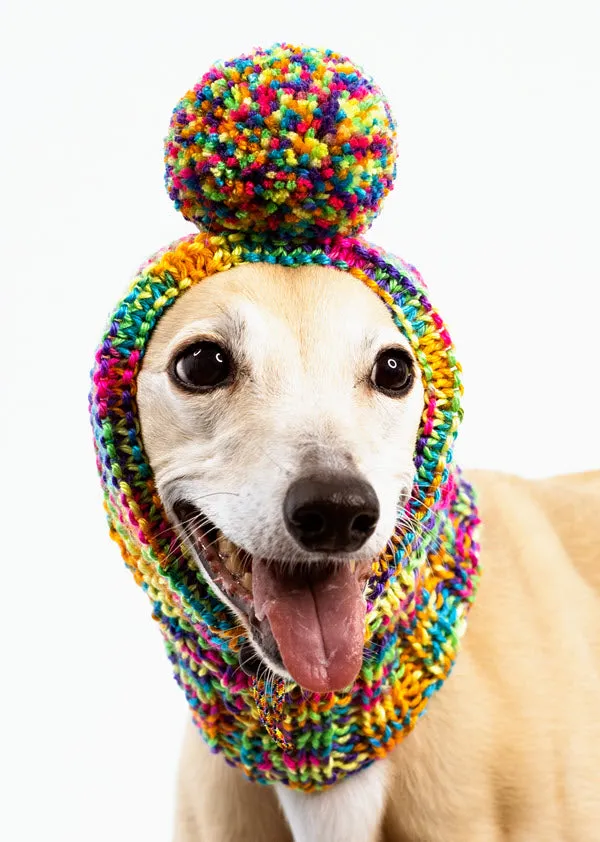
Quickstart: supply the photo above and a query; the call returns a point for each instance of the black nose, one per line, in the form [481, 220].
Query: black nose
[331, 513]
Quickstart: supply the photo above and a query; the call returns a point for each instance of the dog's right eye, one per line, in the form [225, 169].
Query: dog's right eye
[201, 367]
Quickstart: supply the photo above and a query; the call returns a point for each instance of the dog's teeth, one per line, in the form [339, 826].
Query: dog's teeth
[247, 581]
[236, 560]
[353, 566]
[225, 547]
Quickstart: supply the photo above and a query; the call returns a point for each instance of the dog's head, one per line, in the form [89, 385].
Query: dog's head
[266, 398]
[279, 410]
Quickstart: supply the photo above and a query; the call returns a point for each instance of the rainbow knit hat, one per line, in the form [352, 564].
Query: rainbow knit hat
[284, 156]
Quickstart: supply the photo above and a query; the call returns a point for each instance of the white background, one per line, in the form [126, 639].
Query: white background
[497, 203]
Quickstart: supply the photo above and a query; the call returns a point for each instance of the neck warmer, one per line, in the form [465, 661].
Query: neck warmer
[284, 157]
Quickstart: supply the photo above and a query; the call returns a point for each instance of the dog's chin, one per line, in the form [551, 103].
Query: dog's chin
[271, 599]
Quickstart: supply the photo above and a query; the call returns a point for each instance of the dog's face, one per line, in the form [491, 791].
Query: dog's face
[279, 411]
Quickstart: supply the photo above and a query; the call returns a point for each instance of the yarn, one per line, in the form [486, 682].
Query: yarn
[288, 140]
[420, 589]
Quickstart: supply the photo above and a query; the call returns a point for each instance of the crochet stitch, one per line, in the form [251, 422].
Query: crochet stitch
[420, 588]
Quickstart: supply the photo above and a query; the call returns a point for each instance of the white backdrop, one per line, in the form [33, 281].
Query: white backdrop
[497, 203]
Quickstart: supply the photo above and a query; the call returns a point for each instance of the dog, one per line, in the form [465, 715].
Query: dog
[288, 401]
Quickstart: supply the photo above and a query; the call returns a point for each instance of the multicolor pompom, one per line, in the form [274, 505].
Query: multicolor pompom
[291, 142]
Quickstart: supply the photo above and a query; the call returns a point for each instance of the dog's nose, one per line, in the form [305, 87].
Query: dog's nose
[332, 513]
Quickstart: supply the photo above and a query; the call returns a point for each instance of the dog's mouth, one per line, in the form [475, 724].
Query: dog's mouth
[307, 619]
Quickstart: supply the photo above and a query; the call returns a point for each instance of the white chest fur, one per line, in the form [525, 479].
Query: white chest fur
[351, 811]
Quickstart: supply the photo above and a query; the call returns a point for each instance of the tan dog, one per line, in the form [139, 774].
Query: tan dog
[510, 746]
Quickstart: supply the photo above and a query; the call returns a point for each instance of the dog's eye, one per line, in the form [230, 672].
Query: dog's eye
[393, 372]
[202, 366]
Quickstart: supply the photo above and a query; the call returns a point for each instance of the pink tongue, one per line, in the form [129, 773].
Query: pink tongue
[319, 626]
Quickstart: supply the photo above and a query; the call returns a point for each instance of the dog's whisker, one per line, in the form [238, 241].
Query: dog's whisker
[274, 461]
[197, 516]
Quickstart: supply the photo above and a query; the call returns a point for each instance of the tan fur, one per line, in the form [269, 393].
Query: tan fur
[510, 747]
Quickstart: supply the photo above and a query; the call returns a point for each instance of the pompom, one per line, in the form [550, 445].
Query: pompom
[291, 142]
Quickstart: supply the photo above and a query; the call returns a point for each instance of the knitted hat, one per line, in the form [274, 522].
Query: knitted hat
[285, 156]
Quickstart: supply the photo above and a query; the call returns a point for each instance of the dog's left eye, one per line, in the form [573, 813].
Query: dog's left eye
[202, 366]
[393, 372]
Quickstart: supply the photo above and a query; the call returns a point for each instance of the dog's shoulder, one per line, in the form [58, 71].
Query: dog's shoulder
[567, 505]
[572, 504]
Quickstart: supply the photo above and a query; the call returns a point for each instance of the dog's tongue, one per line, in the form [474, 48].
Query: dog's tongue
[318, 623]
